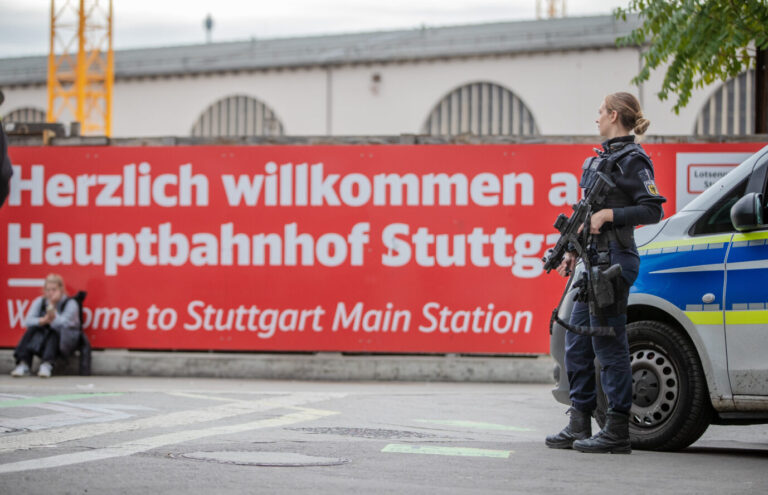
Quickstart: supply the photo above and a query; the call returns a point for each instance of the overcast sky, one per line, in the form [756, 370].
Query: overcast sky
[24, 24]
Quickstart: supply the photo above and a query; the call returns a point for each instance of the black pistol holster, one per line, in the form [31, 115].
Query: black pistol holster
[604, 278]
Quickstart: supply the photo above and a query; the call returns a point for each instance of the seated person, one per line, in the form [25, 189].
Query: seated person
[51, 315]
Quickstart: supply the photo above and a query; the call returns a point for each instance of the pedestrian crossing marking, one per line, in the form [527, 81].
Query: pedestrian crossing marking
[153, 442]
[473, 424]
[52, 398]
[396, 448]
[48, 438]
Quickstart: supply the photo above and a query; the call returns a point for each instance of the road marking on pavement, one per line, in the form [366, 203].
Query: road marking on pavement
[47, 438]
[397, 448]
[51, 398]
[62, 410]
[65, 414]
[233, 400]
[190, 395]
[149, 443]
[473, 424]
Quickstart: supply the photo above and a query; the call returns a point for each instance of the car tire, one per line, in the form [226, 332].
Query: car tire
[671, 408]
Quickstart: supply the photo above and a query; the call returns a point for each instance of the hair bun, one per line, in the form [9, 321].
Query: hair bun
[641, 124]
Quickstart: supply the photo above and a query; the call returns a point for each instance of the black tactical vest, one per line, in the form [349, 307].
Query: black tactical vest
[613, 163]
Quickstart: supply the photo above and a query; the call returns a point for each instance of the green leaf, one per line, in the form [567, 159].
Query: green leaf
[702, 41]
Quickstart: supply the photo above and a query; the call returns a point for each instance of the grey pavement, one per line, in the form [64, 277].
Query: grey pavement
[97, 434]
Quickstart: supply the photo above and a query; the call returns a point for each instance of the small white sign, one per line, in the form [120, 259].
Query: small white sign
[703, 175]
[695, 172]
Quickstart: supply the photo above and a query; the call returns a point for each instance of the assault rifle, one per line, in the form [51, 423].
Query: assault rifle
[571, 238]
[596, 284]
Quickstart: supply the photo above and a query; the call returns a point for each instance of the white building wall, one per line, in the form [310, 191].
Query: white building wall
[163, 107]
[663, 119]
[561, 89]
[29, 97]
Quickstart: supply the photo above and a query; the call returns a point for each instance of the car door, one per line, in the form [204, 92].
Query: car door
[688, 271]
[746, 302]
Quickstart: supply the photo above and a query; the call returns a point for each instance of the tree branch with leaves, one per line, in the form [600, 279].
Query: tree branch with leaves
[702, 41]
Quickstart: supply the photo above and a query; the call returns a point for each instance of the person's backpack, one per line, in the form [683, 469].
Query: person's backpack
[83, 344]
[73, 339]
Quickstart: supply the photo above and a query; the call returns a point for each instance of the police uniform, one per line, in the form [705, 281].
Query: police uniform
[5, 164]
[635, 201]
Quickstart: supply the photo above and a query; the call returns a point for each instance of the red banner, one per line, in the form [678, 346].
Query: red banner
[415, 249]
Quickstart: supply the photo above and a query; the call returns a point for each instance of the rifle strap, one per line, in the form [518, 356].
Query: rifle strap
[555, 311]
[589, 331]
[580, 253]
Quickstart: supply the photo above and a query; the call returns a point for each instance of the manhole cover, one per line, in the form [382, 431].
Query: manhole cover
[287, 459]
[365, 432]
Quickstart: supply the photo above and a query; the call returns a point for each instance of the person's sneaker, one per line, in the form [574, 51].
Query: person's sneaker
[22, 369]
[45, 370]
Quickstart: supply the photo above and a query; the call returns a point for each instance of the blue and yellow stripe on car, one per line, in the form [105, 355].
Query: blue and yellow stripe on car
[699, 255]
[749, 239]
[740, 317]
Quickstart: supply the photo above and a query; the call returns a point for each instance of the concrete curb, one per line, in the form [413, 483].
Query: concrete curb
[321, 366]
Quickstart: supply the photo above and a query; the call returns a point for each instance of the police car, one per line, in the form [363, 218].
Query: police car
[697, 316]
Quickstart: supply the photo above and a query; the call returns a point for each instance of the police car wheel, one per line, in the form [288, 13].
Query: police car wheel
[670, 401]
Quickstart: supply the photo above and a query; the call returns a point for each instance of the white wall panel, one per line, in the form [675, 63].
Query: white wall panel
[561, 89]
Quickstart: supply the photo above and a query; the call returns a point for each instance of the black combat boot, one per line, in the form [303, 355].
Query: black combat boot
[613, 438]
[579, 427]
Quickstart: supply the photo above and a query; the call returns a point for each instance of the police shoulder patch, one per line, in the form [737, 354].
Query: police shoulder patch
[645, 175]
[650, 186]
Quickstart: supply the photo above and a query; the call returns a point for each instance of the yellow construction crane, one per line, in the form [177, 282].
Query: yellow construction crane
[554, 8]
[81, 65]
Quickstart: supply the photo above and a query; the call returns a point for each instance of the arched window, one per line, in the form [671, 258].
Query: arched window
[237, 115]
[25, 114]
[731, 108]
[481, 108]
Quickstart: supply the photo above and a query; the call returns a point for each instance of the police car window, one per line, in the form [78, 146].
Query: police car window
[718, 218]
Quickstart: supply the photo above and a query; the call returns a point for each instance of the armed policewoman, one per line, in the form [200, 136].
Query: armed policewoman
[623, 173]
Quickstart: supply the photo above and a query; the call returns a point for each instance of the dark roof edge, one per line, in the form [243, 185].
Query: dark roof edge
[333, 63]
[552, 35]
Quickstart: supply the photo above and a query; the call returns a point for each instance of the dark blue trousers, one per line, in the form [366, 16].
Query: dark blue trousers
[37, 341]
[612, 352]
